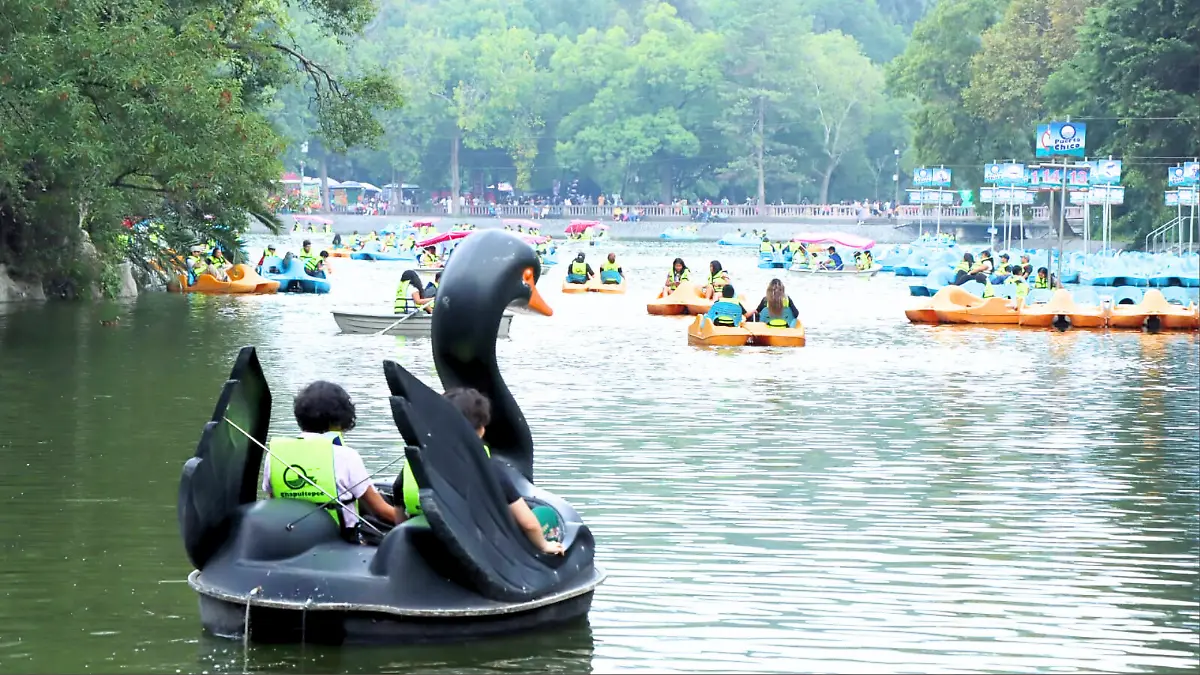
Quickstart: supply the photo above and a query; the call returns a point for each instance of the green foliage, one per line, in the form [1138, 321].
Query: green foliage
[1126, 67]
[645, 98]
[148, 109]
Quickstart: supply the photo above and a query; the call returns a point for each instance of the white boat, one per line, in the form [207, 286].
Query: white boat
[847, 271]
[429, 270]
[417, 325]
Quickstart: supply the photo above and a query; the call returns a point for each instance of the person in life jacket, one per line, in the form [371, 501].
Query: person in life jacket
[1043, 278]
[678, 273]
[306, 252]
[776, 309]
[610, 271]
[579, 272]
[727, 311]
[963, 273]
[315, 267]
[718, 279]
[268, 253]
[317, 467]
[766, 246]
[1017, 279]
[409, 297]
[835, 259]
[1026, 266]
[337, 240]
[428, 257]
[867, 261]
[1000, 269]
[541, 524]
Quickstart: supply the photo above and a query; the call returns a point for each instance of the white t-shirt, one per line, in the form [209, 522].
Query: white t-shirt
[350, 474]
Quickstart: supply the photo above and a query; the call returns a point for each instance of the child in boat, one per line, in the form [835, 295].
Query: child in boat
[478, 410]
[727, 310]
[678, 274]
[1017, 278]
[324, 412]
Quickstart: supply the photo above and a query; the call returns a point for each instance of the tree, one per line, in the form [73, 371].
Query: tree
[844, 90]
[1136, 71]
[931, 72]
[149, 109]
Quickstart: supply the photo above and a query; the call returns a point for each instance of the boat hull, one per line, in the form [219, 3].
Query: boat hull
[704, 333]
[418, 325]
[852, 272]
[224, 615]
[685, 299]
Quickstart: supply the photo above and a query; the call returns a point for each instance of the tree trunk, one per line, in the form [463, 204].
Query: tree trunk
[762, 172]
[826, 177]
[455, 178]
[668, 182]
[325, 208]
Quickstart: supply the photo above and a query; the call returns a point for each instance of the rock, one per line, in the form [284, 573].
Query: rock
[128, 288]
[13, 291]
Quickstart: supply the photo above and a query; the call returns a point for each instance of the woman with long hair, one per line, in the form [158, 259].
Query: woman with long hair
[718, 279]
[678, 274]
[408, 294]
[776, 309]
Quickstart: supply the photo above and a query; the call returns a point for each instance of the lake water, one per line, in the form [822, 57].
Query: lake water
[888, 499]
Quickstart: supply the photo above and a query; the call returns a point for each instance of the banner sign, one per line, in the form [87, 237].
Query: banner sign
[1187, 197]
[1188, 174]
[935, 177]
[1007, 173]
[1061, 138]
[931, 197]
[1172, 198]
[1106, 194]
[1079, 176]
[1046, 177]
[1106, 172]
[1078, 198]
[1006, 195]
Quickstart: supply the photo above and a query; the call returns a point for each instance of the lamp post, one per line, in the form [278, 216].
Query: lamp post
[896, 180]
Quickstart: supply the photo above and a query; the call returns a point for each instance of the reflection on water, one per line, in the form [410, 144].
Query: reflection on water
[890, 498]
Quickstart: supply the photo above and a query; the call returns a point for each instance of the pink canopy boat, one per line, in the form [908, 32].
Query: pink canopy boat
[836, 238]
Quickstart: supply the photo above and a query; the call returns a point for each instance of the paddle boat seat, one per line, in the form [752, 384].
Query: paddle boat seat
[1176, 295]
[725, 314]
[1085, 296]
[974, 288]
[1004, 291]
[1039, 296]
[1127, 295]
[610, 277]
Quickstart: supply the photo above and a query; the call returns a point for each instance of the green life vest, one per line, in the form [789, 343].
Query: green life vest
[404, 303]
[609, 266]
[779, 321]
[579, 268]
[412, 491]
[1022, 287]
[1041, 283]
[428, 259]
[312, 264]
[292, 457]
[674, 279]
[988, 291]
[717, 281]
[962, 266]
[766, 247]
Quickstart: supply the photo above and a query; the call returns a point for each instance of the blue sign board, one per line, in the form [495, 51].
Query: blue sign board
[931, 177]
[1188, 174]
[1106, 172]
[1061, 138]
[1007, 173]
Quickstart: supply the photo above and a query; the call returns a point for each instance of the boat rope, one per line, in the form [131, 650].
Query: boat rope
[333, 499]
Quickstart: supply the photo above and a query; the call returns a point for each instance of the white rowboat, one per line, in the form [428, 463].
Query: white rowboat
[418, 325]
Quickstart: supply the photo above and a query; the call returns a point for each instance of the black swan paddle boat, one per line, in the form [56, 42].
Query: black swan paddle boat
[463, 570]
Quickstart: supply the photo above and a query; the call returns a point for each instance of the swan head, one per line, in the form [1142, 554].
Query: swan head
[490, 270]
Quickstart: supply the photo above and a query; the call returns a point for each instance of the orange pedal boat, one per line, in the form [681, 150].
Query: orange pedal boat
[954, 305]
[922, 312]
[685, 299]
[242, 273]
[568, 287]
[1153, 314]
[703, 332]
[1061, 312]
